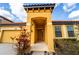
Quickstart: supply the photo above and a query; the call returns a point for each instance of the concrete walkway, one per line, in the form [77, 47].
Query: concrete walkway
[10, 49]
[7, 49]
[39, 47]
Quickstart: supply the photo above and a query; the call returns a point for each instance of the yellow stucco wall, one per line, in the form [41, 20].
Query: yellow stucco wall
[35, 14]
[33, 33]
[7, 34]
[49, 29]
[9, 27]
[8, 31]
[49, 32]
[0, 34]
[46, 13]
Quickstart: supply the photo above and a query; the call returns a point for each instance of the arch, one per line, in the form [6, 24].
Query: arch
[39, 18]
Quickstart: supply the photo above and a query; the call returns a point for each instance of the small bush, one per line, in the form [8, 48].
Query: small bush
[23, 42]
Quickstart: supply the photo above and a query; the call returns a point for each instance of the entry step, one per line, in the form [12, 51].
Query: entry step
[39, 47]
[38, 53]
[42, 53]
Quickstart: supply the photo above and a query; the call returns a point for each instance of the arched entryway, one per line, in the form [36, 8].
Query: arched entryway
[38, 24]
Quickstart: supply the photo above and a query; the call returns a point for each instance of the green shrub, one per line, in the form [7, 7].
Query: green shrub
[67, 46]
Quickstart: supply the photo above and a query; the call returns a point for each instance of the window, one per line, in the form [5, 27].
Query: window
[58, 31]
[70, 31]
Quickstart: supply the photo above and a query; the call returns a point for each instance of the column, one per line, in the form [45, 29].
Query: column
[76, 31]
[64, 31]
[50, 37]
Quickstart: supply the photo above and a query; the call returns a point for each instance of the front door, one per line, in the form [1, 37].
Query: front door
[40, 35]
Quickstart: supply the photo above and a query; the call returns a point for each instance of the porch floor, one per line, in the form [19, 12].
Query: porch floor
[39, 47]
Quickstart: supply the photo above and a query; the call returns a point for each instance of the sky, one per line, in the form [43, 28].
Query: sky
[62, 11]
[66, 11]
[13, 11]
